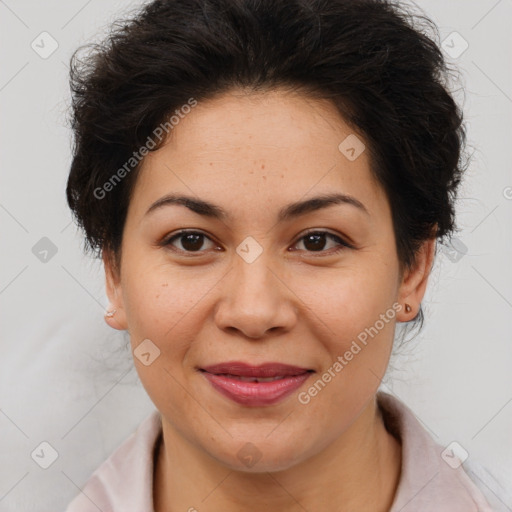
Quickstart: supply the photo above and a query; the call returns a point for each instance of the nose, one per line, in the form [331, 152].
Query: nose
[255, 300]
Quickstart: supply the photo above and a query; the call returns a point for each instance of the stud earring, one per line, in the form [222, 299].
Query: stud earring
[110, 314]
[407, 308]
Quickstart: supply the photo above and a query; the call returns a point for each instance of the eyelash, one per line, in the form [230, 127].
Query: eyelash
[342, 244]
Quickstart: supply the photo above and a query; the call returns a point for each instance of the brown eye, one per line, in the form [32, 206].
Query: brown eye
[315, 241]
[190, 241]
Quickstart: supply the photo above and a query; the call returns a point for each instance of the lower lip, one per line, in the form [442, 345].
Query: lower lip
[256, 393]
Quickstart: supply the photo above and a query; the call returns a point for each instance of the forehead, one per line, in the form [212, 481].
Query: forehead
[241, 120]
[255, 150]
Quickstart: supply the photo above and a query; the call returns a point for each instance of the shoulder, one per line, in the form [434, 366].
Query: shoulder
[432, 476]
[125, 480]
[496, 487]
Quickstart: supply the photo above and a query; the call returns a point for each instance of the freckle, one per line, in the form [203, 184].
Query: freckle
[158, 295]
[165, 284]
[282, 175]
[264, 177]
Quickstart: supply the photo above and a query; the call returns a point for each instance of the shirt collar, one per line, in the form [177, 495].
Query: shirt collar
[125, 480]
[427, 481]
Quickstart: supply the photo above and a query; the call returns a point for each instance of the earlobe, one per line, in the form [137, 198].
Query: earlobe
[115, 319]
[114, 314]
[414, 282]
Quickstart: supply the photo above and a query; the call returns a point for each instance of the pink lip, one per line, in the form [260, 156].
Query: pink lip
[223, 377]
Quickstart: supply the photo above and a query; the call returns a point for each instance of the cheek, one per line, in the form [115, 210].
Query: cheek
[162, 307]
[351, 299]
[356, 305]
[163, 303]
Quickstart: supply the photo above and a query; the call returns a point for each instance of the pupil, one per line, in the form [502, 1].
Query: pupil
[192, 242]
[316, 245]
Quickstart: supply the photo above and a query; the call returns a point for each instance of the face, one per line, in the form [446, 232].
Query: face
[317, 288]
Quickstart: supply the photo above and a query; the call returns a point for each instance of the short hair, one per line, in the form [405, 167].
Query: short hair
[387, 79]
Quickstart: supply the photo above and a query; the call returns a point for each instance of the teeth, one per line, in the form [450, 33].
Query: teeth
[255, 379]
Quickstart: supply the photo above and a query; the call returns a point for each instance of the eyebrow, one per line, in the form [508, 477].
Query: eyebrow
[288, 212]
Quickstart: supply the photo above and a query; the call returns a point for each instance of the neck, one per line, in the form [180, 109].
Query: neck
[359, 471]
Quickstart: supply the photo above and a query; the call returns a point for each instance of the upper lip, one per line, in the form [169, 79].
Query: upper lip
[263, 370]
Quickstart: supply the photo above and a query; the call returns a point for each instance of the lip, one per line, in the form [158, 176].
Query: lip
[226, 379]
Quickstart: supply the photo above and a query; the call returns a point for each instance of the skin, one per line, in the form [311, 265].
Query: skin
[252, 154]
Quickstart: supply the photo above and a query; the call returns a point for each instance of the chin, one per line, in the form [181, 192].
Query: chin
[264, 457]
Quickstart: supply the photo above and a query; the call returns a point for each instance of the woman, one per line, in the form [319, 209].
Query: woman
[266, 182]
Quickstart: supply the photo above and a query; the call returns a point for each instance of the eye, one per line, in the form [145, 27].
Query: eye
[314, 241]
[190, 241]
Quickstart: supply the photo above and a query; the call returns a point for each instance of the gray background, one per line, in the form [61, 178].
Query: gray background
[67, 379]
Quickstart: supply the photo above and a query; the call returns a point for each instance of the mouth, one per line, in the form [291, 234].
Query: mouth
[251, 379]
[250, 385]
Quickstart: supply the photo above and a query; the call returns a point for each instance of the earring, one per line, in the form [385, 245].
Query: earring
[110, 314]
[407, 308]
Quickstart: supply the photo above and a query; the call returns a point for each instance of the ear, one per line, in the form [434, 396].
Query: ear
[114, 294]
[414, 281]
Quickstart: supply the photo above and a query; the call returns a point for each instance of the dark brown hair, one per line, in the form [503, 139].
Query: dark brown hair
[386, 77]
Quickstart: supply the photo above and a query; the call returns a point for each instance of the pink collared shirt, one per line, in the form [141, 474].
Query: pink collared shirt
[428, 483]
